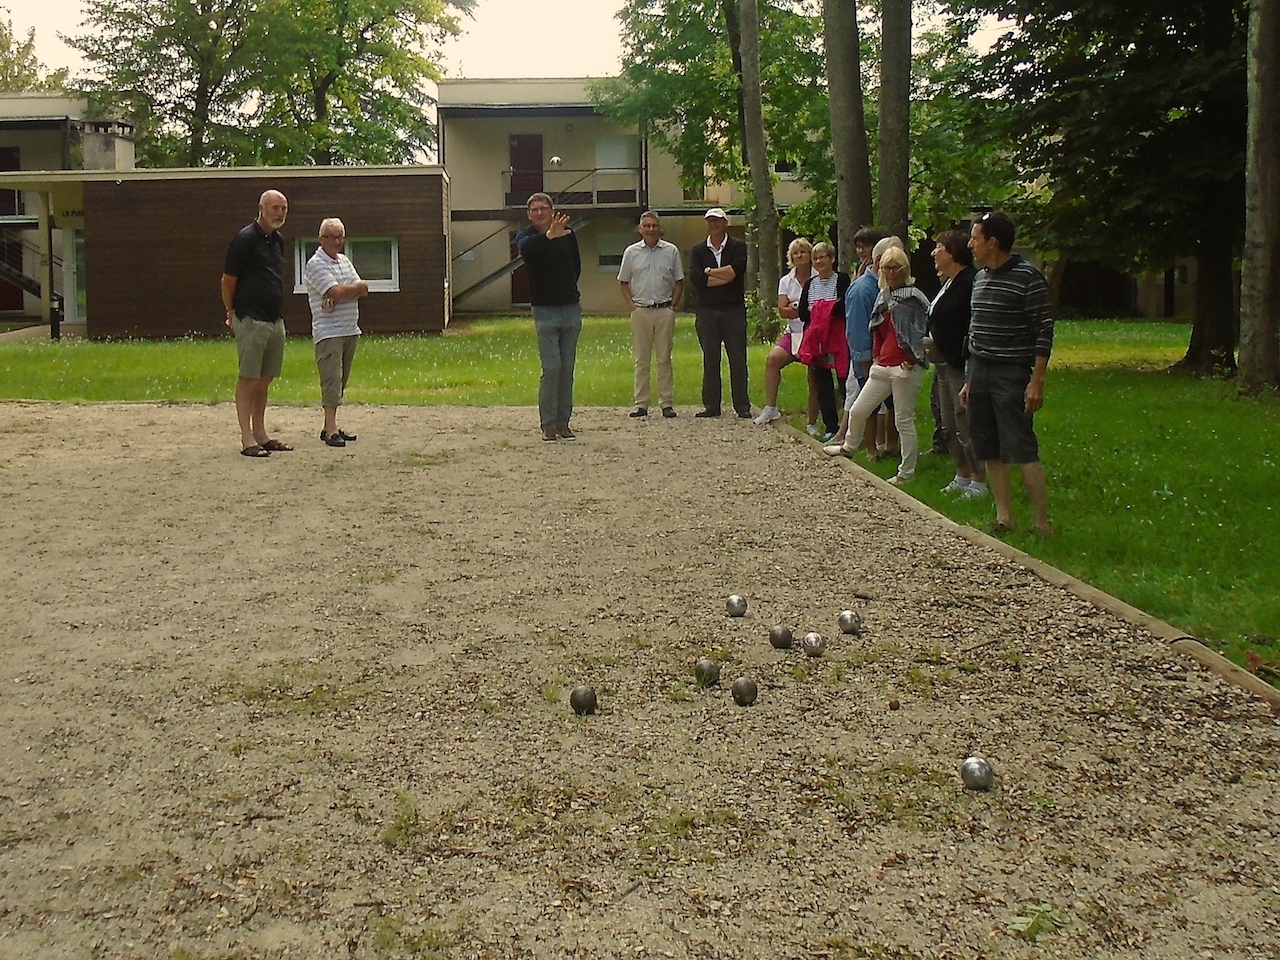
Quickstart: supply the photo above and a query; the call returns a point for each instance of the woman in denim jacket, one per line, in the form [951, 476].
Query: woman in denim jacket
[899, 323]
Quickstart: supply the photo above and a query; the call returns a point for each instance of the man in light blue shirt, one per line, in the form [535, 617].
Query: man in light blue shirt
[652, 280]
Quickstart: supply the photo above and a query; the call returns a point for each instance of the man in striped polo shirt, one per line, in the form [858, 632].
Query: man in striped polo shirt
[1010, 339]
[334, 290]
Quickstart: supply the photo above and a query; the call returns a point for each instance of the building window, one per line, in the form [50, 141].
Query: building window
[787, 170]
[609, 248]
[376, 259]
[617, 154]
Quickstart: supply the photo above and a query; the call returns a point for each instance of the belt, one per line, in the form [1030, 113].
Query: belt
[654, 306]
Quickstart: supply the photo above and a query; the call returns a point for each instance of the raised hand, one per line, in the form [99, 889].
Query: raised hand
[559, 226]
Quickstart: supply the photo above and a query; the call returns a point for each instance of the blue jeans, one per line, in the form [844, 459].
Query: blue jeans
[558, 329]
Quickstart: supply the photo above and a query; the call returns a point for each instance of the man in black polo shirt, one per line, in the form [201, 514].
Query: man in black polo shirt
[1010, 339]
[253, 295]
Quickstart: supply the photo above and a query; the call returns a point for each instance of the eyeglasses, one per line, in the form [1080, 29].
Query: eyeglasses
[538, 207]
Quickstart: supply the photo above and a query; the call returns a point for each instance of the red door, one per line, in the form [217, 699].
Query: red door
[10, 296]
[525, 152]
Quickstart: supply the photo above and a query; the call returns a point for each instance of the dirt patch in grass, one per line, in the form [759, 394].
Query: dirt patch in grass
[317, 706]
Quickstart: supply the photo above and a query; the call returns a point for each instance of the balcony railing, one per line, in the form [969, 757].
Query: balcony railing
[599, 187]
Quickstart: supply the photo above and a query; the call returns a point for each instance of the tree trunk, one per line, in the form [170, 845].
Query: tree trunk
[894, 148]
[764, 210]
[1260, 273]
[1213, 334]
[733, 27]
[848, 123]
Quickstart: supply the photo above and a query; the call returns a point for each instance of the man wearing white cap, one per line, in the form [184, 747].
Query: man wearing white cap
[718, 268]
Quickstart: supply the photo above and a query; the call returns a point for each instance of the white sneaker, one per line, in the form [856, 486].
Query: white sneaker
[811, 430]
[767, 415]
[900, 481]
[836, 450]
[976, 491]
[957, 485]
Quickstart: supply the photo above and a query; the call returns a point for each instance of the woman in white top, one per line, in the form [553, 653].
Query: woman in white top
[800, 260]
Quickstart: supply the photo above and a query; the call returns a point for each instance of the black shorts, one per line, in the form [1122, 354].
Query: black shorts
[999, 424]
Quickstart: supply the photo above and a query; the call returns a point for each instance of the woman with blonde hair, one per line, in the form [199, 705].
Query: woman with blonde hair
[800, 260]
[899, 321]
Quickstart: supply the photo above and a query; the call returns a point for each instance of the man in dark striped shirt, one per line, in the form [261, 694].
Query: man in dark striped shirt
[1010, 339]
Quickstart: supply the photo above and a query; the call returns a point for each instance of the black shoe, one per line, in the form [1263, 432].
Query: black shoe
[349, 437]
[669, 412]
[565, 433]
[333, 439]
[639, 412]
[744, 414]
[707, 413]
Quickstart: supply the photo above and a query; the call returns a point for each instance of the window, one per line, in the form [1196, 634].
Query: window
[609, 247]
[617, 154]
[787, 170]
[376, 259]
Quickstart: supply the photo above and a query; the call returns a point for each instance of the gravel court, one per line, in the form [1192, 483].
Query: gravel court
[316, 706]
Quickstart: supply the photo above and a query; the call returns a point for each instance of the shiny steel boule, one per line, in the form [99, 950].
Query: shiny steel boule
[736, 606]
[780, 636]
[706, 672]
[814, 644]
[583, 700]
[850, 622]
[977, 774]
[744, 691]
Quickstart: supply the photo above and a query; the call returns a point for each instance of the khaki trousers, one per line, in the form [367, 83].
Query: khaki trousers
[654, 329]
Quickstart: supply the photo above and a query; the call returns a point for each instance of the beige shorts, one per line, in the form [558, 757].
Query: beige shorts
[333, 361]
[259, 347]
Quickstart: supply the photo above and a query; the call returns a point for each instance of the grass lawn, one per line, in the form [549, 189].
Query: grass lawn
[1162, 489]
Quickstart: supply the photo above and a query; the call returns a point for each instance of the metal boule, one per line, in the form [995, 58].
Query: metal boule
[814, 644]
[736, 606]
[744, 691]
[850, 622]
[977, 774]
[780, 636]
[583, 700]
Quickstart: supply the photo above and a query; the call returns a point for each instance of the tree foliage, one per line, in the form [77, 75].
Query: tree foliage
[680, 87]
[269, 81]
[1132, 115]
[20, 69]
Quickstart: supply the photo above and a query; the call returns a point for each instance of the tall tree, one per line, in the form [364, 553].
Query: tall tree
[1128, 120]
[177, 69]
[350, 79]
[958, 158]
[763, 209]
[1260, 272]
[848, 122]
[268, 81]
[20, 70]
[895, 115]
[680, 86]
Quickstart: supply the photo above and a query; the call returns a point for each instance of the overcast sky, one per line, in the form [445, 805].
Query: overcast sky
[507, 38]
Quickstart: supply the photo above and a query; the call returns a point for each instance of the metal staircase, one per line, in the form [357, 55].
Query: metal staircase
[507, 268]
[13, 238]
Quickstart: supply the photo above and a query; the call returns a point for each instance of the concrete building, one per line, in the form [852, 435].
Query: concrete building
[502, 140]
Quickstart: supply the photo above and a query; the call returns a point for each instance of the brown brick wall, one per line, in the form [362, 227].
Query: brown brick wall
[154, 248]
